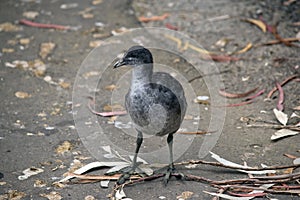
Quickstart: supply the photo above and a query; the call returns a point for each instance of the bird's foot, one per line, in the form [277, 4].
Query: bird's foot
[171, 171]
[127, 172]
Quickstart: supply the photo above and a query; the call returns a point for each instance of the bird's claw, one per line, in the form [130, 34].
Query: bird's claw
[127, 172]
[171, 170]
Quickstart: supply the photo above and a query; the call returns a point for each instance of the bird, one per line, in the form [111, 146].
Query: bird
[155, 102]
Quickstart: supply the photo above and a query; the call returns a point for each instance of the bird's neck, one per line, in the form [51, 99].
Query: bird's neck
[141, 75]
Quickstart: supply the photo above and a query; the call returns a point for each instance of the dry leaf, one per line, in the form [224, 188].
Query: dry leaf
[52, 196]
[222, 42]
[39, 183]
[22, 95]
[30, 14]
[64, 85]
[258, 23]
[89, 197]
[185, 195]
[7, 50]
[283, 133]
[95, 43]
[119, 31]
[110, 87]
[296, 161]
[229, 163]
[9, 27]
[30, 172]
[15, 195]
[281, 116]
[24, 41]
[288, 171]
[64, 147]
[96, 2]
[87, 15]
[46, 49]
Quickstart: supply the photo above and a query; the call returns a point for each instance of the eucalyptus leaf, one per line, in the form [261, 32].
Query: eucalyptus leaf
[118, 168]
[281, 116]
[283, 133]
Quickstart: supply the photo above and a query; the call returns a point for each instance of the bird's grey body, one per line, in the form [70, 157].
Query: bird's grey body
[156, 107]
[155, 101]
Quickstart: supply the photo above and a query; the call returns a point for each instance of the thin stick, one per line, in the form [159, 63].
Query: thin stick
[217, 164]
[281, 84]
[40, 25]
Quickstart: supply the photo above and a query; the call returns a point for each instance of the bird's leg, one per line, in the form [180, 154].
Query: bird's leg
[171, 164]
[139, 141]
[131, 169]
[171, 167]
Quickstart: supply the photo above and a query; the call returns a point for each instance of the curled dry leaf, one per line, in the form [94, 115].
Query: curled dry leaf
[30, 14]
[9, 27]
[283, 133]
[258, 23]
[13, 195]
[39, 183]
[281, 116]
[30, 172]
[22, 95]
[52, 196]
[185, 195]
[64, 147]
[46, 49]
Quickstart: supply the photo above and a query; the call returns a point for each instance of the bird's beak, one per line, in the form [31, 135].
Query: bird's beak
[119, 63]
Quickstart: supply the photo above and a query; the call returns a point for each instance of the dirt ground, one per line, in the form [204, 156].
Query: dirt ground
[39, 90]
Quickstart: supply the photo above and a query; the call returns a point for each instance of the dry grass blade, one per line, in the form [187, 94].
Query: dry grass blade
[258, 23]
[245, 49]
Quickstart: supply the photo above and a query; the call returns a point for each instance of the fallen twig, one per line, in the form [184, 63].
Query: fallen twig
[217, 164]
[281, 84]
[41, 25]
[281, 97]
[255, 95]
[236, 95]
[277, 42]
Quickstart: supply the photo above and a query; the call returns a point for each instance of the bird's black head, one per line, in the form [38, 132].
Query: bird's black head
[136, 55]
